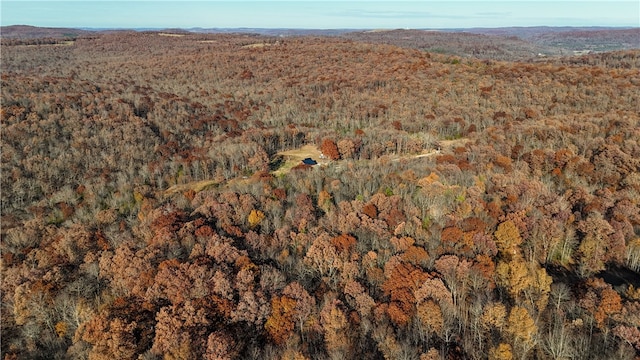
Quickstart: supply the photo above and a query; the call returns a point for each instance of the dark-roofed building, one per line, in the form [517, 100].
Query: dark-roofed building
[309, 161]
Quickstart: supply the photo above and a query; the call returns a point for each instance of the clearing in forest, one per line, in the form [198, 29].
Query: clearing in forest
[444, 146]
[447, 145]
[256, 45]
[291, 158]
[285, 161]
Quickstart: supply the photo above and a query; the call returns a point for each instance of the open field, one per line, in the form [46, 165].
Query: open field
[294, 157]
[170, 34]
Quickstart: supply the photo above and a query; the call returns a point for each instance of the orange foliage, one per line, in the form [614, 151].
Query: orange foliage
[415, 255]
[401, 283]
[280, 323]
[610, 304]
[255, 218]
[508, 239]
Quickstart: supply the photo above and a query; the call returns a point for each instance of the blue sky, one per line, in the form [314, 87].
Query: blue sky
[319, 14]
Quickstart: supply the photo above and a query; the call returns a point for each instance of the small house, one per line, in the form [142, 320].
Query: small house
[309, 161]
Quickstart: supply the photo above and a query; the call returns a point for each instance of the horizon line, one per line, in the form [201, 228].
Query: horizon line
[336, 28]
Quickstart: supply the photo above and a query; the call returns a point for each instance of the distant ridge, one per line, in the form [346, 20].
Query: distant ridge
[508, 43]
[34, 32]
[525, 33]
[276, 31]
[572, 38]
[511, 43]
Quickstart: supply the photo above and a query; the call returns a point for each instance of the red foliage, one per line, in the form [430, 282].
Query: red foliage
[330, 149]
[370, 210]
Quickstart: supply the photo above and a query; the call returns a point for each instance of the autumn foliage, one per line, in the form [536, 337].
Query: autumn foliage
[472, 209]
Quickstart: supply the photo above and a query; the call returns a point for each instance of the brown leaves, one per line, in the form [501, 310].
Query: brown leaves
[596, 245]
[325, 201]
[179, 282]
[305, 308]
[121, 330]
[347, 148]
[129, 271]
[430, 315]
[629, 334]
[231, 258]
[370, 210]
[451, 235]
[416, 255]
[181, 331]
[364, 303]
[436, 290]
[344, 243]
[323, 256]
[455, 272]
[113, 339]
[401, 283]
[504, 162]
[221, 249]
[221, 346]
[335, 326]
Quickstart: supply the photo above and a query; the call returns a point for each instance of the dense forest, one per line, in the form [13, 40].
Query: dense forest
[462, 208]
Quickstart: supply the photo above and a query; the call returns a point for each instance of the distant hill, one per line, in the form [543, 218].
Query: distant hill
[531, 32]
[34, 32]
[594, 40]
[458, 43]
[281, 32]
[511, 43]
[571, 38]
[508, 43]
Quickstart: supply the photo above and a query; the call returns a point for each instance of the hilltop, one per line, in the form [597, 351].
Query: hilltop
[34, 32]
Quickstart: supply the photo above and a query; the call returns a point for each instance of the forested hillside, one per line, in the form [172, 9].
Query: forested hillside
[463, 208]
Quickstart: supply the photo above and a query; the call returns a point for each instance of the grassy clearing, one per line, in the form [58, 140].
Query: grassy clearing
[256, 45]
[447, 145]
[294, 157]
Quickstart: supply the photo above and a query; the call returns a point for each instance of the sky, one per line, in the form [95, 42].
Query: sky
[318, 14]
